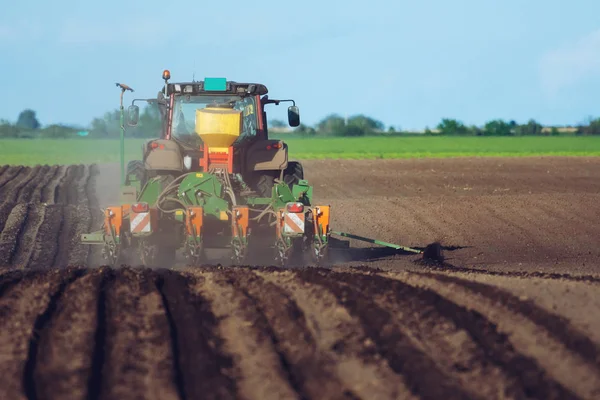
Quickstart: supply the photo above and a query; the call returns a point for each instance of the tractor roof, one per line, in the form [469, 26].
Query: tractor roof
[217, 86]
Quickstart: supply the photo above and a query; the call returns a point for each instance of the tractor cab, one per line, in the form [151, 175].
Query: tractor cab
[217, 124]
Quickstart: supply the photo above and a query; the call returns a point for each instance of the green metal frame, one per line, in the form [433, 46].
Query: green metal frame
[93, 238]
[151, 191]
[379, 242]
[205, 190]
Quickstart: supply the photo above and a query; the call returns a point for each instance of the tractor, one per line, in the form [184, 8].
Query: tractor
[214, 179]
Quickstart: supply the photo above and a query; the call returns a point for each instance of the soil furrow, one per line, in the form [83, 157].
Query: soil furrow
[5, 210]
[543, 227]
[98, 355]
[45, 179]
[175, 350]
[139, 362]
[39, 331]
[26, 191]
[83, 180]
[11, 194]
[311, 371]
[246, 336]
[9, 238]
[419, 215]
[12, 190]
[200, 347]
[578, 302]
[342, 337]
[74, 186]
[9, 279]
[49, 192]
[542, 366]
[445, 267]
[95, 215]
[20, 307]
[76, 222]
[556, 326]
[8, 175]
[82, 220]
[90, 192]
[28, 240]
[62, 238]
[555, 218]
[46, 249]
[575, 219]
[423, 377]
[24, 182]
[69, 335]
[64, 191]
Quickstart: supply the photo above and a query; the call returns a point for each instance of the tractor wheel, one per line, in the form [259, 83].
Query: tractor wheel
[264, 184]
[293, 173]
[136, 169]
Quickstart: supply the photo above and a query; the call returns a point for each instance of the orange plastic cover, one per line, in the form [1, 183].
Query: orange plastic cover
[322, 219]
[241, 219]
[113, 218]
[194, 220]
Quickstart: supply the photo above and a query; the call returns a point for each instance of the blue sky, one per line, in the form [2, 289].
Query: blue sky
[407, 63]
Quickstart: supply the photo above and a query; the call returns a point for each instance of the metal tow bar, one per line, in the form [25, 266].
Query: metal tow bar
[379, 242]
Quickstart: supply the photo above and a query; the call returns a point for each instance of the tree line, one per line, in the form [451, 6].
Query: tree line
[27, 125]
[108, 126]
[361, 125]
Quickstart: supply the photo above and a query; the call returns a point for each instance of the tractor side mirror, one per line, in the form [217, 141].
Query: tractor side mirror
[293, 116]
[133, 115]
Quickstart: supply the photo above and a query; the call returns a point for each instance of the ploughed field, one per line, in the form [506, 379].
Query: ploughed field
[511, 313]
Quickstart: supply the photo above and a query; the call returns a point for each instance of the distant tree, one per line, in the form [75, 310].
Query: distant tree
[594, 127]
[27, 120]
[591, 128]
[277, 123]
[333, 123]
[474, 130]
[452, 127]
[497, 127]
[58, 131]
[150, 125]
[354, 130]
[108, 126]
[305, 130]
[98, 127]
[8, 130]
[366, 124]
[530, 128]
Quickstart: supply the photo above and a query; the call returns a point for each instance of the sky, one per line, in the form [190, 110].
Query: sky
[406, 63]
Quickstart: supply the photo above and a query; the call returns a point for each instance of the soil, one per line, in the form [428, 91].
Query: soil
[510, 313]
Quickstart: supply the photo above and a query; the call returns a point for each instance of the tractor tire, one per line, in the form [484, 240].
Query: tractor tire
[293, 174]
[264, 181]
[264, 185]
[137, 169]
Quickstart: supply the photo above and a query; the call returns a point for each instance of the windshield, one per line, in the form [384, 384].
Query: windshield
[184, 115]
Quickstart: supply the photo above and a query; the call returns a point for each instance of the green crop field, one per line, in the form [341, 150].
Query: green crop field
[74, 151]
